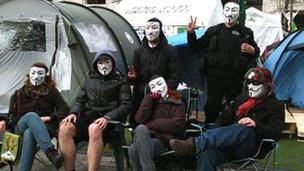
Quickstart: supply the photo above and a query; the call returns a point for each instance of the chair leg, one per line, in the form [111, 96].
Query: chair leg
[118, 154]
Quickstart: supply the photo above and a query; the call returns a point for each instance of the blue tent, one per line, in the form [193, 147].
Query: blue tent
[190, 72]
[287, 66]
[190, 64]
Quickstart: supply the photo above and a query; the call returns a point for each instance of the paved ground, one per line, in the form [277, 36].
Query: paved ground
[107, 163]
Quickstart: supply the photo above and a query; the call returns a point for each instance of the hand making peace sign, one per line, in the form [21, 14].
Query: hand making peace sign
[191, 25]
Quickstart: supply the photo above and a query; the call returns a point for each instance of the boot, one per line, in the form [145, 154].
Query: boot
[54, 157]
[185, 147]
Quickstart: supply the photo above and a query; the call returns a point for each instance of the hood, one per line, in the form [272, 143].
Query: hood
[103, 55]
[162, 40]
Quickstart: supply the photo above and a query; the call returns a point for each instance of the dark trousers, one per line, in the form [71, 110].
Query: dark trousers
[219, 145]
[217, 89]
[144, 148]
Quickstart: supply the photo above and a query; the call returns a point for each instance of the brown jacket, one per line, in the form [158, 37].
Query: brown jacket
[165, 119]
[49, 104]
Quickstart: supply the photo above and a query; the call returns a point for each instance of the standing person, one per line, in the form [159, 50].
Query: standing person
[104, 96]
[154, 57]
[254, 115]
[161, 116]
[35, 112]
[229, 50]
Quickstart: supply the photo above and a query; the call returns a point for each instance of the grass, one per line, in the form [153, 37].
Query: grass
[290, 155]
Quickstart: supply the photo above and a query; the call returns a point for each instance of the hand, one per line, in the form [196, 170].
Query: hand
[45, 119]
[2, 126]
[191, 25]
[247, 121]
[69, 119]
[247, 48]
[131, 73]
[156, 96]
[101, 122]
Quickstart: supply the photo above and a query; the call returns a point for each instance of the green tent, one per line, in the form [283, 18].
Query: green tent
[65, 36]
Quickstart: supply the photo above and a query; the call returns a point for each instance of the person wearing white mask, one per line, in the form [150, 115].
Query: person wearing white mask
[227, 50]
[104, 96]
[154, 57]
[254, 115]
[161, 117]
[35, 112]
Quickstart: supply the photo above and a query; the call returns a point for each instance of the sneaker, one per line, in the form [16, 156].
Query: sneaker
[185, 147]
[54, 157]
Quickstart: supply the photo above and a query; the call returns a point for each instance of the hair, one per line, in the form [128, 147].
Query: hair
[48, 79]
[154, 19]
[40, 65]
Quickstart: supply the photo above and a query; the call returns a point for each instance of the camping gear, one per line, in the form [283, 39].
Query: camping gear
[11, 148]
[286, 64]
[63, 35]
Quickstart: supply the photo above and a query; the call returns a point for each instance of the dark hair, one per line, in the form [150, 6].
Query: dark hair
[156, 20]
[40, 65]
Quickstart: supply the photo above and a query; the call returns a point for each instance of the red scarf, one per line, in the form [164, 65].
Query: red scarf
[245, 107]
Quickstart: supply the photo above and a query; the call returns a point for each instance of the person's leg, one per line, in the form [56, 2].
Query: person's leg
[40, 132]
[145, 147]
[134, 157]
[209, 159]
[214, 98]
[95, 147]
[67, 146]
[28, 150]
[233, 89]
[228, 136]
[38, 129]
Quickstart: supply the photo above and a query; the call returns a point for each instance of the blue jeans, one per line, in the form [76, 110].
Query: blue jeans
[33, 131]
[219, 145]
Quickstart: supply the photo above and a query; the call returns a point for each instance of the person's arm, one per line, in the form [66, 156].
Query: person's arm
[170, 125]
[61, 107]
[174, 68]
[125, 103]
[79, 104]
[197, 45]
[146, 109]
[273, 128]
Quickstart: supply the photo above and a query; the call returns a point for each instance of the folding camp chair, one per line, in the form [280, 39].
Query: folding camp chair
[266, 149]
[117, 144]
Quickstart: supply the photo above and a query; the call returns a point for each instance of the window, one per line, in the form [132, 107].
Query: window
[22, 36]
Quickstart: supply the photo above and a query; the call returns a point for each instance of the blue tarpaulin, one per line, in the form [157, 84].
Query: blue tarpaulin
[190, 64]
[287, 66]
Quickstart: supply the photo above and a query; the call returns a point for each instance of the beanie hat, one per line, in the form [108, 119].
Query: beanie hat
[262, 75]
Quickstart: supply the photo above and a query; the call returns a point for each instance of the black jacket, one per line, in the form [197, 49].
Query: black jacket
[268, 116]
[162, 60]
[220, 48]
[51, 104]
[108, 96]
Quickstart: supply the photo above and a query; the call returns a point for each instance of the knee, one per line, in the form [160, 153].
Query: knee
[67, 131]
[31, 115]
[27, 134]
[95, 132]
[141, 130]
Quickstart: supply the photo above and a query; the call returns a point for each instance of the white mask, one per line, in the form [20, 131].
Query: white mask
[255, 88]
[159, 85]
[105, 66]
[152, 30]
[37, 75]
[231, 12]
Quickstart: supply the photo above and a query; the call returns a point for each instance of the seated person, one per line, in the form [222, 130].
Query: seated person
[161, 117]
[35, 111]
[256, 114]
[104, 96]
